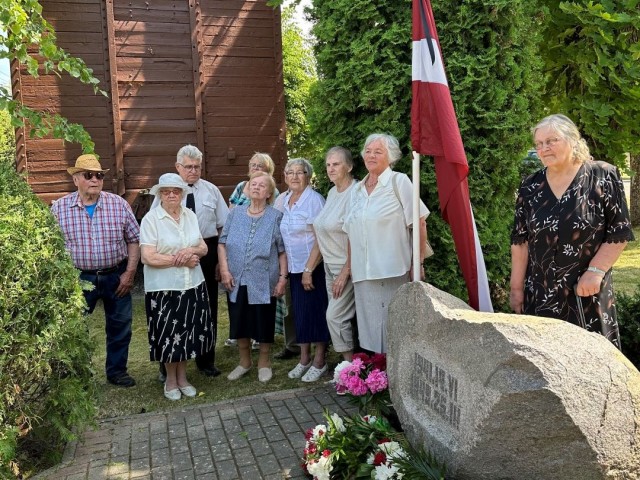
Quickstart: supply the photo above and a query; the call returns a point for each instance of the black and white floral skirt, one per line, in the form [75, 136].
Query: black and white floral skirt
[179, 324]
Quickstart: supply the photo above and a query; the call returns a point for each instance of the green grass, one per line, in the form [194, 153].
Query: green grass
[626, 271]
[147, 395]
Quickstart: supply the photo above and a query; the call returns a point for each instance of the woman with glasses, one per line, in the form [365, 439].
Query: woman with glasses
[259, 162]
[301, 207]
[176, 298]
[571, 225]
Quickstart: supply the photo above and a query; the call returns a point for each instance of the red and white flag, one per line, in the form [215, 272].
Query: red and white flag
[435, 132]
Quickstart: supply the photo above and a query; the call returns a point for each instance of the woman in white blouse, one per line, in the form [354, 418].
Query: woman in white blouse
[301, 206]
[332, 248]
[176, 298]
[378, 224]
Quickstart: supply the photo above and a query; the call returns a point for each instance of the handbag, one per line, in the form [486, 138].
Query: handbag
[428, 250]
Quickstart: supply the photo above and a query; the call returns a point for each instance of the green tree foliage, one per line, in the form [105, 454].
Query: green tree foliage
[28, 38]
[299, 72]
[46, 389]
[7, 137]
[363, 53]
[591, 51]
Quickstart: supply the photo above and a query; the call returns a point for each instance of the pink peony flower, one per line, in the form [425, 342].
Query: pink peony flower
[356, 386]
[377, 381]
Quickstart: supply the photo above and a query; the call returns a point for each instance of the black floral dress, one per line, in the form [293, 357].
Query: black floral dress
[563, 236]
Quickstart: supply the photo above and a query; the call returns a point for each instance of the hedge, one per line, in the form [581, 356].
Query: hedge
[46, 385]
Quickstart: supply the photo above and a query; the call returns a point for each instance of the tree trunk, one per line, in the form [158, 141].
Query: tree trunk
[634, 197]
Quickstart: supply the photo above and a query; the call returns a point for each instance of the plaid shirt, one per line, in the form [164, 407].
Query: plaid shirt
[101, 241]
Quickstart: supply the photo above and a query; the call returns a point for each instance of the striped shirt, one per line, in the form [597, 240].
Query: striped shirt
[101, 241]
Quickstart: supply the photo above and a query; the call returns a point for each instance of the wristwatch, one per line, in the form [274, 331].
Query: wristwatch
[306, 270]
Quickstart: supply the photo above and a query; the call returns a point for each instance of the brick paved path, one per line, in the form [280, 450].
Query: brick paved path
[251, 438]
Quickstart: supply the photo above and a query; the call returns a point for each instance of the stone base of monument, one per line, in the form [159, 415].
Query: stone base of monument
[499, 396]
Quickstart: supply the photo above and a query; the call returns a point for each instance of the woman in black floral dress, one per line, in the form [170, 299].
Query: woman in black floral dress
[571, 225]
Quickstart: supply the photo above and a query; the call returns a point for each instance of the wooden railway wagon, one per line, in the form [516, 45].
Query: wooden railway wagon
[204, 72]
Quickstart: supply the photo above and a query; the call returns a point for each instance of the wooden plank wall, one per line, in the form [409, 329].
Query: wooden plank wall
[207, 73]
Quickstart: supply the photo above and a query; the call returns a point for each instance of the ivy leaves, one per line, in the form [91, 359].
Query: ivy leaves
[31, 40]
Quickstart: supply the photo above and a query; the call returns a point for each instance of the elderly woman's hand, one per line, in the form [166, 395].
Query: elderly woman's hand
[182, 258]
[589, 284]
[193, 261]
[281, 286]
[516, 299]
[227, 280]
[307, 281]
[339, 283]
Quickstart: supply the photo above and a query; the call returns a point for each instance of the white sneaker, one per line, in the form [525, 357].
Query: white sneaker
[314, 374]
[299, 370]
[231, 342]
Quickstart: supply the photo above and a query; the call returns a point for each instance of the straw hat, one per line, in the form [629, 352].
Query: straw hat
[87, 163]
[170, 180]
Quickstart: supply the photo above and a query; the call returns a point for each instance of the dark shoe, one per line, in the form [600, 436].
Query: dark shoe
[210, 371]
[162, 374]
[122, 380]
[285, 354]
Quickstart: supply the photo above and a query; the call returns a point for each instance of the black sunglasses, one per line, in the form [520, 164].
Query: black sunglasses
[90, 175]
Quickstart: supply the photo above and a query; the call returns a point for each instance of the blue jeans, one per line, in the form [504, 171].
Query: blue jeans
[118, 313]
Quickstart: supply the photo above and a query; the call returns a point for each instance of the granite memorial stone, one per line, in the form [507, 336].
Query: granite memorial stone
[500, 396]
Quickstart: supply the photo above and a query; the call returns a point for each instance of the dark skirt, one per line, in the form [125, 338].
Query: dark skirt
[256, 321]
[310, 307]
[179, 324]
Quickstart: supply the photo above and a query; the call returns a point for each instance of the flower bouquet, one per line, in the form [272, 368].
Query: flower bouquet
[364, 447]
[364, 381]
[340, 448]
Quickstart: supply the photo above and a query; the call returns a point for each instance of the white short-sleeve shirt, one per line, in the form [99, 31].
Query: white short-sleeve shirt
[332, 239]
[297, 227]
[159, 230]
[377, 228]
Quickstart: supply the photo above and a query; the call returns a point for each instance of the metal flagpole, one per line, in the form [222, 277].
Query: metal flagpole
[415, 178]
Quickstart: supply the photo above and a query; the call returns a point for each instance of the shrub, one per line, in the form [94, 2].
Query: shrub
[628, 307]
[45, 350]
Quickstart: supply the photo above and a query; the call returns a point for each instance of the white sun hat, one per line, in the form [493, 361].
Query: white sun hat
[170, 180]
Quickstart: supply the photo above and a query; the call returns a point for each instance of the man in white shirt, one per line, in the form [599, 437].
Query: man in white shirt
[211, 209]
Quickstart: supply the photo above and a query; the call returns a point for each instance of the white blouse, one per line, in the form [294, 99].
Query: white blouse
[332, 239]
[159, 230]
[377, 228]
[296, 227]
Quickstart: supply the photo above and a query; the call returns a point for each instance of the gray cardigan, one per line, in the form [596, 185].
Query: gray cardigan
[253, 245]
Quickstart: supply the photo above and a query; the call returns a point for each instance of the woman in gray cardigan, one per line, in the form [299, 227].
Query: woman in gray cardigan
[253, 268]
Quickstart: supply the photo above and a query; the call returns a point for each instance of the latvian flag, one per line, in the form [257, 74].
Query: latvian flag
[434, 131]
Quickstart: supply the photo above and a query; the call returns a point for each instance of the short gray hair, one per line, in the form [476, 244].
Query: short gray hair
[341, 152]
[191, 152]
[304, 163]
[390, 143]
[563, 126]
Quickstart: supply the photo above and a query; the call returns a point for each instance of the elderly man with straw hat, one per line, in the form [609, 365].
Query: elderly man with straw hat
[102, 236]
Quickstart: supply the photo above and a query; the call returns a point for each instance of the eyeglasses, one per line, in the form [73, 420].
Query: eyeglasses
[549, 142]
[295, 174]
[191, 168]
[90, 175]
[169, 191]
[257, 165]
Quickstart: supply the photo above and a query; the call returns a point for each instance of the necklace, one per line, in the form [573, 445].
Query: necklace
[369, 185]
[258, 212]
